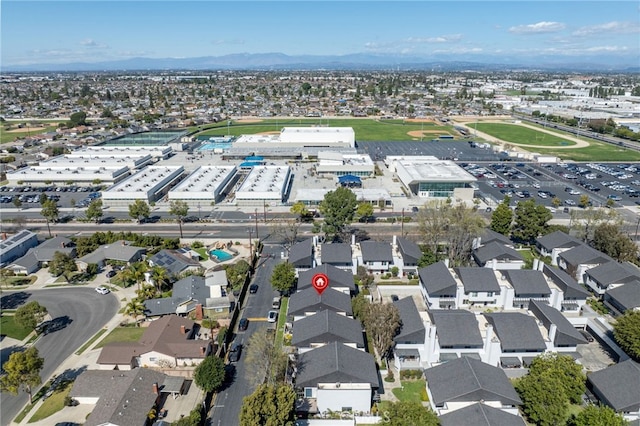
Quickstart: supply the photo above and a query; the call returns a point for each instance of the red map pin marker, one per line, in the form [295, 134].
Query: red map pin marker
[320, 282]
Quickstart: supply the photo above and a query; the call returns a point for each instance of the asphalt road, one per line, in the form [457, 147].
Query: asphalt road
[81, 312]
[226, 410]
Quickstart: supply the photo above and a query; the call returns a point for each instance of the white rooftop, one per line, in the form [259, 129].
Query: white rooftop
[205, 179]
[433, 171]
[264, 180]
[149, 177]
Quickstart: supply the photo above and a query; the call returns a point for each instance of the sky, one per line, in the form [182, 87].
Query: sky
[57, 32]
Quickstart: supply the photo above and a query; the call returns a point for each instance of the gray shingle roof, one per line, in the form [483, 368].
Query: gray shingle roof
[411, 253]
[125, 396]
[310, 301]
[626, 296]
[456, 328]
[566, 283]
[527, 282]
[495, 250]
[173, 261]
[584, 255]
[478, 279]
[325, 327]
[162, 306]
[119, 250]
[301, 254]
[480, 415]
[617, 386]
[557, 239]
[488, 236]
[437, 280]
[412, 328]
[566, 334]
[336, 253]
[374, 251]
[337, 277]
[467, 379]
[517, 332]
[336, 363]
[614, 273]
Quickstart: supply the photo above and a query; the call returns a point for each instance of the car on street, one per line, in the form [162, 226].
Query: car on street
[103, 290]
[111, 274]
[234, 352]
[243, 324]
[253, 288]
[272, 316]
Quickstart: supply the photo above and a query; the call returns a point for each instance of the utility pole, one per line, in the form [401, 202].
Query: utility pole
[256, 218]
[402, 224]
[264, 210]
[250, 246]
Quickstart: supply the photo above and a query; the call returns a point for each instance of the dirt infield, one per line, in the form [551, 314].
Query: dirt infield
[268, 133]
[421, 133]
[419, 120]
[25, 129]
[249, 120]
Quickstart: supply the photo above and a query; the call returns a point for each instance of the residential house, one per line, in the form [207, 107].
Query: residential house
[519, 339]
[14, 246]
[326, 327]
[376, 256]
[624, 297]
[437, 286]
[338, 255]
[408, 253]
[466, 381]
[617, 386]
[451, 334]
[551, 245]
[339, 279]
[578, 260]
[174, 262]
[41, 255]
[209, 293]
[301, 255]
[336, 377]
[495, 255]
[121, 251]
[307, 302]
[121, 398]
[488, 236]
[167, 342]
[480, 414]
[573, 296]
[527, 285]
[410, 350]
[609, 275]
[480, 287]
[561, 333]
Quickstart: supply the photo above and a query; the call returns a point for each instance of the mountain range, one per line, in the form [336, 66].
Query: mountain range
[361, 61]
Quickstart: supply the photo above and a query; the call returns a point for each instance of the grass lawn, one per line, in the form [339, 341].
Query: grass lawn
[13, 281]
[122, 334]
[527, 254]
[11, 329]
[202, 252]
[90, 341]
[365, 129]
[521, 135]
[6, 137]
[53, 404]
[596, 151]
[282, 318]
[411, 390]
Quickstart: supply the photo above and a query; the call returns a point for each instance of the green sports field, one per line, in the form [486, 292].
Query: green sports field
[519, 135]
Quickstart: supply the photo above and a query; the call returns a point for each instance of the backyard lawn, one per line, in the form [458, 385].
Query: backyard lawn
[411, 390]
[11, 329]
[122, 334]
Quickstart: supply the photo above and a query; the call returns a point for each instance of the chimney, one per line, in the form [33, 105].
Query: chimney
[203, 350]
[155, 388]
[199, 311]
[183, 329]
[353, 240]
[4, 235]
[62, 244]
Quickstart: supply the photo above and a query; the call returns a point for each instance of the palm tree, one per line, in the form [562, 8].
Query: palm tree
[135, 273]
[146, 292]
[159, 276]
[134, 309]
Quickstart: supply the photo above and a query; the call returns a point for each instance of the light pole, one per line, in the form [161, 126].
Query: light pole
[198, 211]
[256, 218]
[250, 245]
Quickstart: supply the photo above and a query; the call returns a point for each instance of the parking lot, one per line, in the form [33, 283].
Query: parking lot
[29, 196]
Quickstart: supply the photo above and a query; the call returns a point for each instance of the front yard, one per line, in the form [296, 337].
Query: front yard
[122, 334]
[12, 329]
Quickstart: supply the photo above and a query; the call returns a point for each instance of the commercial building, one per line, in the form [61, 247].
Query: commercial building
[153, 142]
[204, 185]
[435, 178]
[79, 171]
[149, 185]
[379, 197]
[268, 184]
[340, 164]
[135, 157]
[340, 137]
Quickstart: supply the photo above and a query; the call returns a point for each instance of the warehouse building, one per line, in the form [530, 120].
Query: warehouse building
[378, 197]
[157, 152]
[268, 184]
[136, 158]
[340, 164]
[79, 171]
[149, 185]
[435, 179]
[205, 185]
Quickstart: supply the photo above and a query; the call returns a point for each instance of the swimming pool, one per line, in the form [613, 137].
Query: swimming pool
[210, 146]
[221, 255]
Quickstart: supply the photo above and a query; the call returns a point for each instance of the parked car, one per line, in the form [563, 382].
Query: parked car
[243, 324]
[253, 288]
[273, 316]
[234, 352]
[103, 290]
[111, 274]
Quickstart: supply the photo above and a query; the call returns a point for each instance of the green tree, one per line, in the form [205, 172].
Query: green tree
[139, 210]
[543, 401]
[584, 201]
[22, 371]
[404, 413]
[597, 415]
[364, 211]
[382, 322]
[193, 419]
[209, 374]
[18, 204]
[608, 238]
[585, 221]
[62, 264]
[555, 202]
[530, 221]
[160, 277]
[77, 119]
[626, 331]
[338, 208]
[502, 218]
[565, 370]
[264, 361]
[135, 273]
[50, 212]
[237, 273]
[94, 211]
[359, 306]
[283, 277]
[269, 405]
[30, 315]
[179, 209]
[134, 309]
[299, 209]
